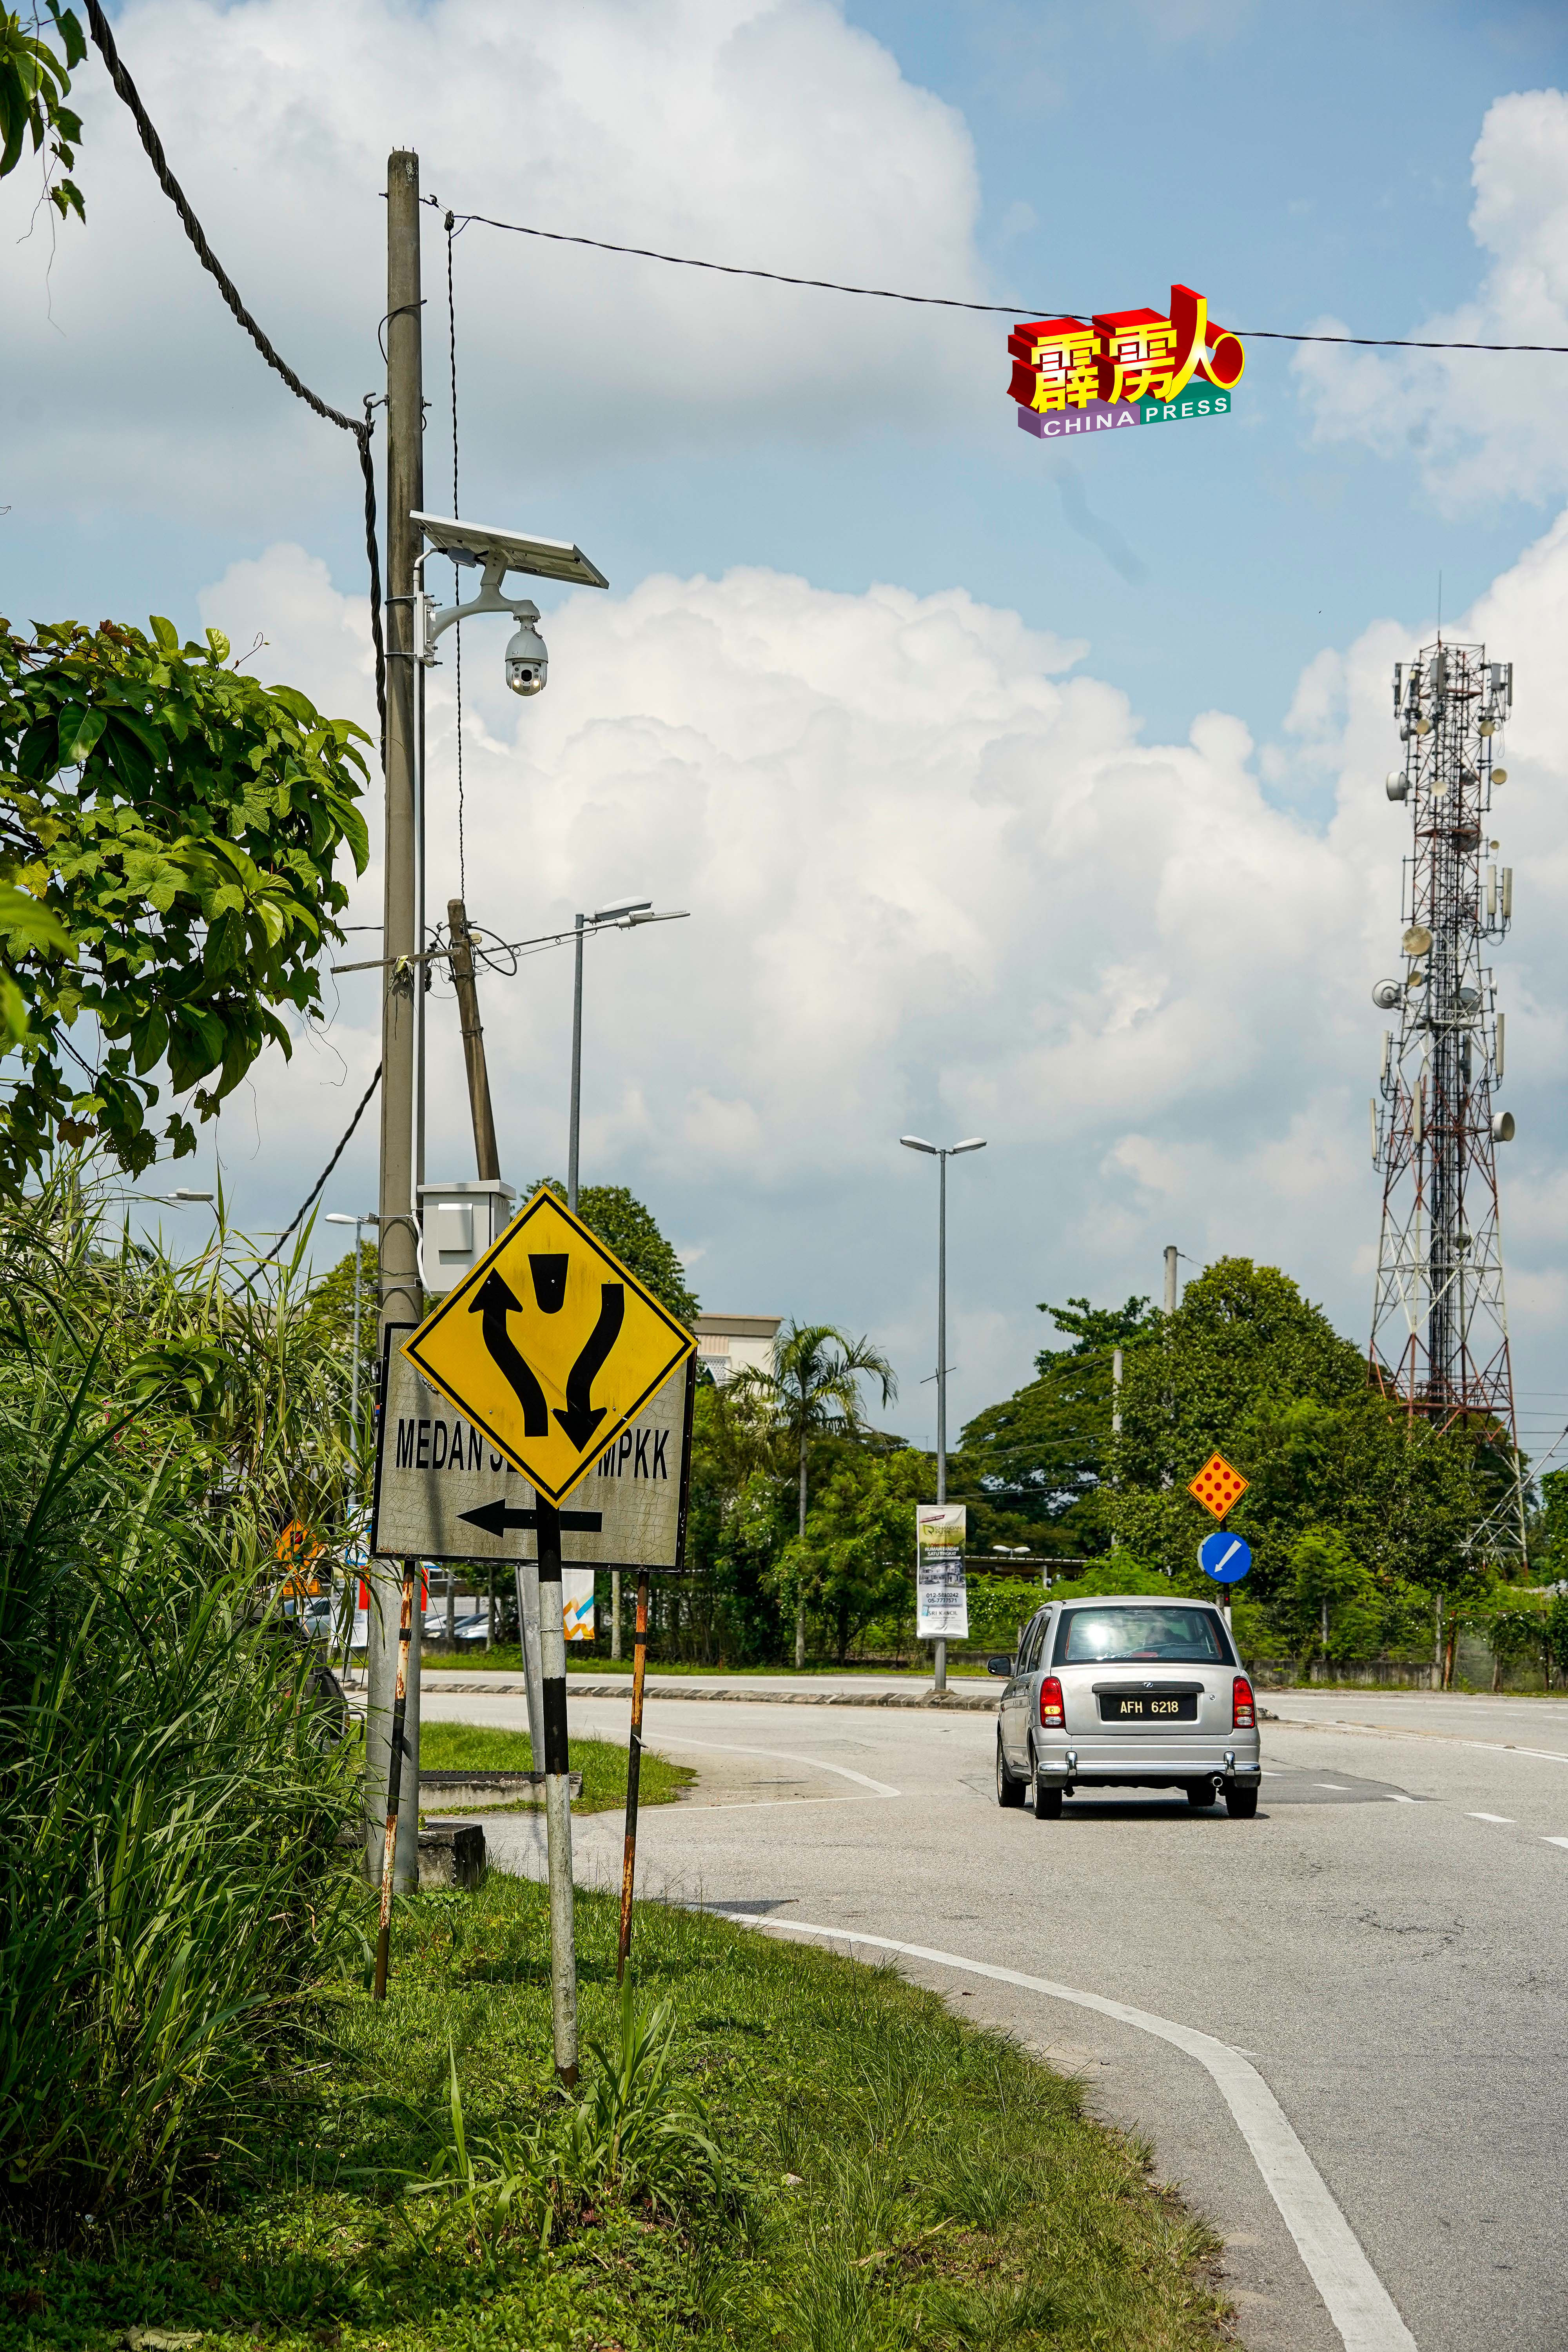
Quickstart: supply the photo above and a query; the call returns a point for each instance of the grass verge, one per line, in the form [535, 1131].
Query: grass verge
[878, 2176]
[507, 1659]
[486, 1748]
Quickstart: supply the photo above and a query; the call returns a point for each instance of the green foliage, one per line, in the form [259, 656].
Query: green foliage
[168, 1890]
[620, 1221]
[181, 825]
[1549, 1537]
[34, 81]
[855, 1563]
[878, 2180]
[1331, 1598]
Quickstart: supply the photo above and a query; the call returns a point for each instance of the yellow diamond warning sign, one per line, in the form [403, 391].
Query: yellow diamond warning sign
[1218, 1486]
[549, 1346]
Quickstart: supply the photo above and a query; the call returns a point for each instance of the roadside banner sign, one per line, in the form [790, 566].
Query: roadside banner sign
[1224, 1556]
[549, 1347]
[577, 1603]
[942, 1595]
[1217, 1487]
[444, 1492]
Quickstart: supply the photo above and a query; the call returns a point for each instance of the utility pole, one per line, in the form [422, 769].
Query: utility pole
[402, 1294]
[939, 1648]
[576, 1112]
[1116, 1419]
[486, 1155]
[1171, 1254]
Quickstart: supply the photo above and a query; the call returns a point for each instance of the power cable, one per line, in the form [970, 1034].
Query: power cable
[315, 1192]
[362, 430]
[951, 303]
[457, 571]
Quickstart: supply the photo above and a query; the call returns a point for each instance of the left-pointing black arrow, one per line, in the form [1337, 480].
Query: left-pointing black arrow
[498, 1516]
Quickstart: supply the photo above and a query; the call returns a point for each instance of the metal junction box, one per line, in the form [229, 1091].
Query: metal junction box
[457, 1224]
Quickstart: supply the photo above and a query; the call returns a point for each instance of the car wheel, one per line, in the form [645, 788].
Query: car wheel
[1009, 1788]
[1241, 1804]
[1048, 1802]
[1199, 1794]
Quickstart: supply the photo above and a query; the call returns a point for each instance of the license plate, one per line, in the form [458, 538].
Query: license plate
[1147, 1706]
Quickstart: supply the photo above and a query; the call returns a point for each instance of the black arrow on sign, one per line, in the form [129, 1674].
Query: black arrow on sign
[582, 1417]
[492, 1303]
[496, 1517]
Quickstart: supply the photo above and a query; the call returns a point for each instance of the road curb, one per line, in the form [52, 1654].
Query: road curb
[948, 1702]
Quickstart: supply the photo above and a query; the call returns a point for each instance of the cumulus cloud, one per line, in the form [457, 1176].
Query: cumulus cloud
[938, 880]
[1479, 426]
[753, 132]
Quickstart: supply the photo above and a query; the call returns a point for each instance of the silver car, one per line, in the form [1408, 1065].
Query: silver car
[1127, 1692]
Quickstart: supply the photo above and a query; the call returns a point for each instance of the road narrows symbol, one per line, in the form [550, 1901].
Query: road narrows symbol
[581, 1417]
[492, 1304]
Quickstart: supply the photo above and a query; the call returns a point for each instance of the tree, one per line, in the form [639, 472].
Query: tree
[1332, 1597]
[1041, 1454]
[35, 79]
[180, 824]
[620, 1221]
[856, 1554]
[813, 1389]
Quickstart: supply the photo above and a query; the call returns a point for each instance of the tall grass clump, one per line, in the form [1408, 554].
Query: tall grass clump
[170, 1784]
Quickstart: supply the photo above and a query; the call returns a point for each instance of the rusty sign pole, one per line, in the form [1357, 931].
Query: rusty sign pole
[639, 1666]
[395, 1777]
[634, 1778]
[557, 1792]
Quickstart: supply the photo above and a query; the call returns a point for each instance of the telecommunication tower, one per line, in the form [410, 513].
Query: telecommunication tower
[1440, 1324]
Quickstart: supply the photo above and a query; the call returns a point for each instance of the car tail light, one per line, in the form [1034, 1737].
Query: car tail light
[1051, 1716]
[1243, 1714]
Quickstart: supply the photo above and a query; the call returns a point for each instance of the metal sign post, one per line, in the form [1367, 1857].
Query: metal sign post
[639, 1668]
[395, 1777]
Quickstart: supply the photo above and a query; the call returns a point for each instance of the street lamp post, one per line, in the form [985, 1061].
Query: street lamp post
[942, 1154]
[620, 915]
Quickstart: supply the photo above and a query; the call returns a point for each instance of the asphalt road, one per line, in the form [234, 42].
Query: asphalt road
[1382, 1942]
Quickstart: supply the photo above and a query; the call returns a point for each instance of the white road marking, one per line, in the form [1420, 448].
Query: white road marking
[1503, 1821]
[785, 1755]
[766, 1804]
[1555, 1841]
[1358, 2302]
[1394, 1798]
[1335, 1788]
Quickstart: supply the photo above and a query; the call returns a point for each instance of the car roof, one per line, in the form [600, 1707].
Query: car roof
[1138, 1600]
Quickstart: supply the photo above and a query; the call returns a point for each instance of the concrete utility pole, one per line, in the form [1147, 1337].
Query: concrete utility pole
[1171, 1254]
[487, 1156]
[1116, 1417]
[402, 1296]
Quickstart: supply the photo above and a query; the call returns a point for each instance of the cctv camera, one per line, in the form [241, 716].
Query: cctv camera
[527, 662]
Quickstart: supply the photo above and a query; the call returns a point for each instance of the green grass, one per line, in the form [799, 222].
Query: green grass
[506, 1658]
[485, 1748]
[889, 2178]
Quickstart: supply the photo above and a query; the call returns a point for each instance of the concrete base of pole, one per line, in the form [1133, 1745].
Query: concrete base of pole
[939, 1665]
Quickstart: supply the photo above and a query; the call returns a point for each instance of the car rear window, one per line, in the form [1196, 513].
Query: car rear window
[1164, 1633]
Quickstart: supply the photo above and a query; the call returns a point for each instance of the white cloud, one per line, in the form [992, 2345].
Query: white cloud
[938, 881]
[752, 132]
[1480, 424]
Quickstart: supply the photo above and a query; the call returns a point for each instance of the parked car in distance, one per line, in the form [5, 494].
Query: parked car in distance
[1127, 1691]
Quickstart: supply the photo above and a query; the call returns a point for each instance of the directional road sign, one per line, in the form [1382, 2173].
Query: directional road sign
[443, 1492]
[1217, 1487]
[549, 1347]
[1224, 1556]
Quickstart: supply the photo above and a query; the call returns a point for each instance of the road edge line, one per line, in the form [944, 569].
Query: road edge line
[1355, 2298]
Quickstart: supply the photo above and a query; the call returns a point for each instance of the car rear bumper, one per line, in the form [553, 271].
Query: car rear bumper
[1150, 1763]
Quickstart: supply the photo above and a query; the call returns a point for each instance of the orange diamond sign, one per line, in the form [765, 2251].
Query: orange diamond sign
[1218, 1486]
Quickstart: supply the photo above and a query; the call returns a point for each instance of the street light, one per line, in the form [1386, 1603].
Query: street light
[942, 1154]
[620, 915]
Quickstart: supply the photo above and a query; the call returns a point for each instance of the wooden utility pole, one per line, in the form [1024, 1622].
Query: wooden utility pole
[402, 1294]
[485, 1151]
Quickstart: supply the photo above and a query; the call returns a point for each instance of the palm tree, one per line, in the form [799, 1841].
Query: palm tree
[813, 1388]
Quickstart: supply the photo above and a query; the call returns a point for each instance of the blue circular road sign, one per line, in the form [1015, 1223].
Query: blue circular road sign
[1224, 1556]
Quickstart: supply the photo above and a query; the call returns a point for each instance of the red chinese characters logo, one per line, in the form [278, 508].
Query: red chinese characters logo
[1123, 355]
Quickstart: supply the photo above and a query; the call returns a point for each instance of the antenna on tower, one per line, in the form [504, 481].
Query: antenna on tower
[1439, 1326]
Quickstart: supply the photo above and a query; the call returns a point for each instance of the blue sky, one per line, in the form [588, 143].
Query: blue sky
[1298, 167]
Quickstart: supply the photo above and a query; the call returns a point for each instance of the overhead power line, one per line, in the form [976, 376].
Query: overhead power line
[954, 302]
[361, 427]
[314, 1193]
